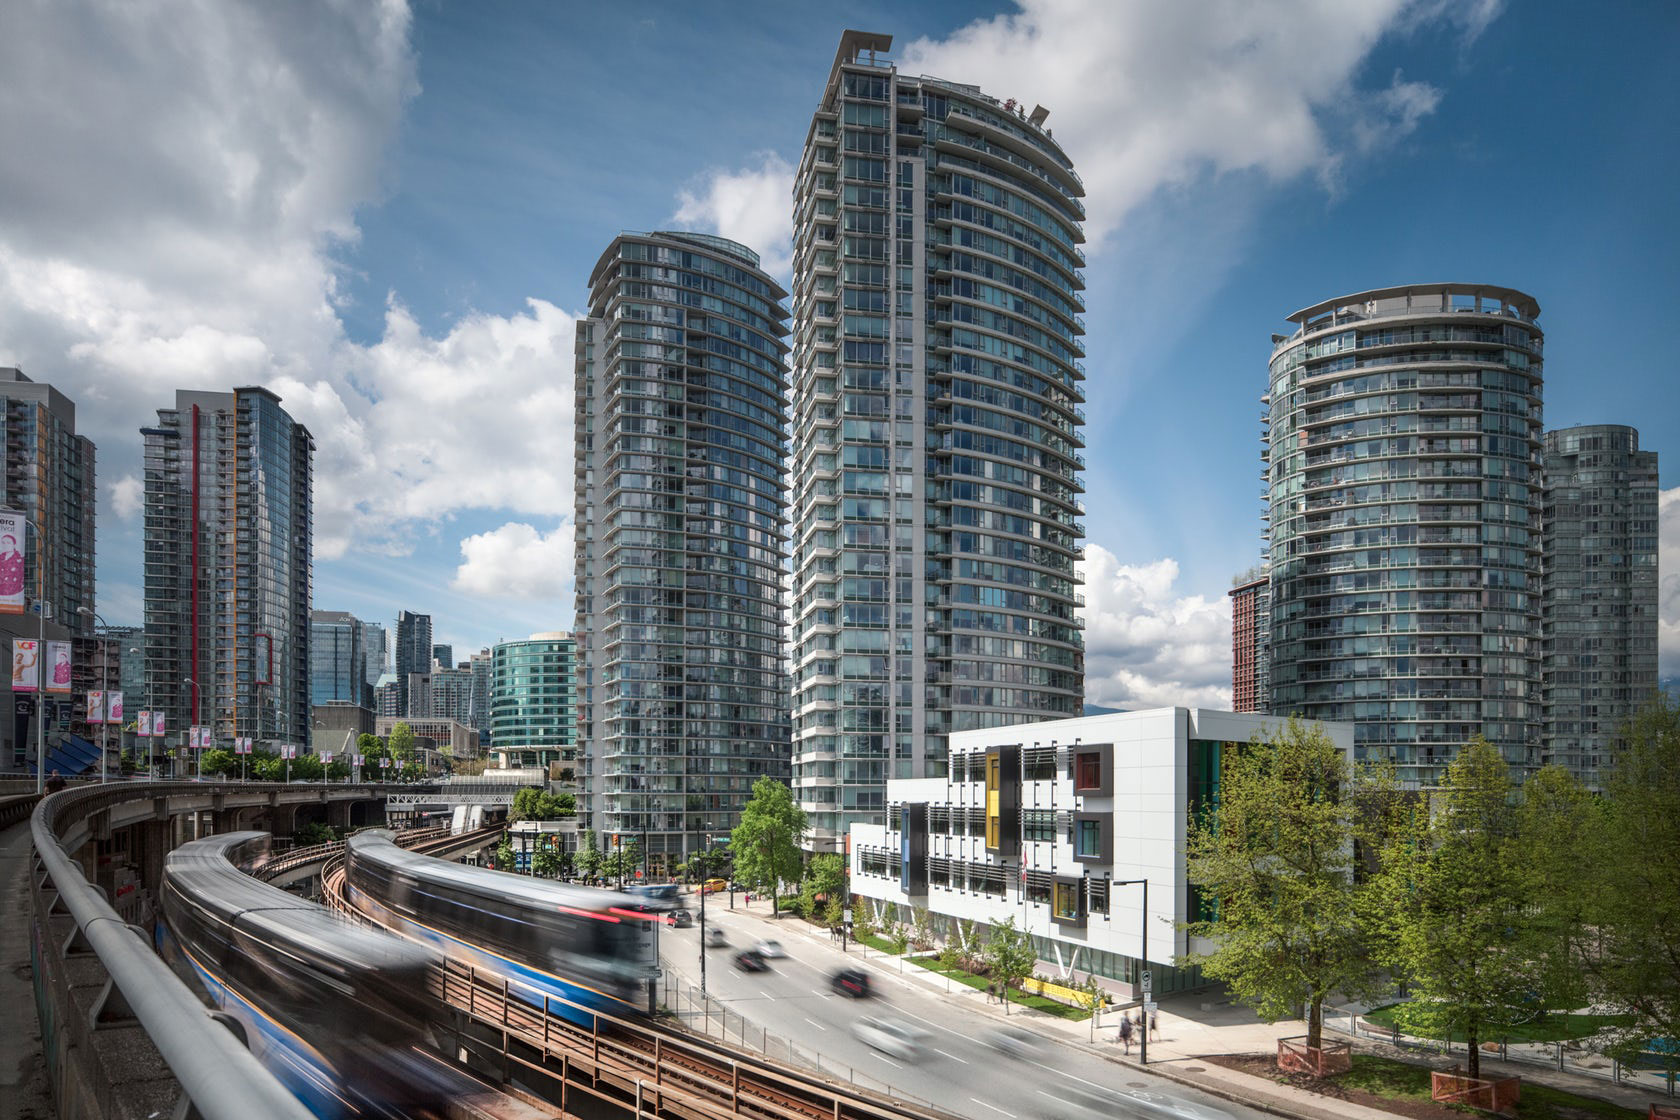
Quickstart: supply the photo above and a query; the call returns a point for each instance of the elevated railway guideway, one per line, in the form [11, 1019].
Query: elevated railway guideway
[585, 1060]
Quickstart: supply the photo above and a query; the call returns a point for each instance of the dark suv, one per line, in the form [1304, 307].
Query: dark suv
[852, 982]
[682, 919]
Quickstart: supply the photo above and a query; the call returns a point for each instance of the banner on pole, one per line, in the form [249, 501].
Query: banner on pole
[157, 724]
[96, 706]
[113, 707]
[326, 758]
[11, 561]
[143, 725]
[26, 664]
[58, 672]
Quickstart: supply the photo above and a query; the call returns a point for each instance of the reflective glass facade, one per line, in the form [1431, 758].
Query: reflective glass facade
[533, 699]
[1403, 445]
[47, 474]
[937, 430]
[413, 654]
[337, 662]
[681, 402]
[1599, 558]
[228, 534]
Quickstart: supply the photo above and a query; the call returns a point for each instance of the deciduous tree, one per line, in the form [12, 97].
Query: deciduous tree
[766, 842]
[1638, 877]
[1452, 895]
[1277, 852]
[1009, 956]
[401, 744]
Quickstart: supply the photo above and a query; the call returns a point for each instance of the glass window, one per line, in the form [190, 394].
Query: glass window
[1087, 839]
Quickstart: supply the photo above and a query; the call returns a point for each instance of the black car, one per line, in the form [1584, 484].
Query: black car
[682, 919]
[750, 960]
[852, 982]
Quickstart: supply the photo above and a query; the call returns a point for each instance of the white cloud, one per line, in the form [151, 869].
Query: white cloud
[1668, 592]
[193, 168]
[1145, 96]
[1148, 646]
[128, 497]
[752, 205]
[518, 561]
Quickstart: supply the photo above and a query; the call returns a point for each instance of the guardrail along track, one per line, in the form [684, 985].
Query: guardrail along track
[656, 1071]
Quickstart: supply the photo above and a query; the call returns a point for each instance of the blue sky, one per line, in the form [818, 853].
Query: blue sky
[390, 215]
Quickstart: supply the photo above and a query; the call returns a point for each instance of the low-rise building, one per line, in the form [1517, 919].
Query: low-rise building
[456, 740]
[1058, 825]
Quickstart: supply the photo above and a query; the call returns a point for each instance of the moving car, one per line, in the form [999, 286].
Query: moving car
[682, 919]
[751, 960]
[770, 948]
[1014, 1041]
[713, 886]
[852, 982]
[901, 1040]
[715, 938]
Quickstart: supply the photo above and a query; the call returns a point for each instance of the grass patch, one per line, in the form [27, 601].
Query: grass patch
[1401, 1081]
[1555, 1027]
[969, 979]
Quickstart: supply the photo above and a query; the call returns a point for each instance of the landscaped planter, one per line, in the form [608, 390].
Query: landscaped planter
[1295, 1056]
[1488, 1094]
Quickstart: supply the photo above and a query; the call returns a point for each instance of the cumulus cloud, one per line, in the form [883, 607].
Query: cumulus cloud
[1147, 644]
[517, 561]
[193, 169]
[128, 497]
[1145, 96]
[751, 204]
[1668, 593]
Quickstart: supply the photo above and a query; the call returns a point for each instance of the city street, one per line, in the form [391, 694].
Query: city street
[959, 1068]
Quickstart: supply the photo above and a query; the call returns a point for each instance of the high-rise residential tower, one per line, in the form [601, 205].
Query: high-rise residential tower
[48, 476]
[444, 656]
[1251, 638]
[936, 427]
[482, 667]
[1598, 626]
[681, 529]
[413, 653]
[1403, 445]
[227, 565]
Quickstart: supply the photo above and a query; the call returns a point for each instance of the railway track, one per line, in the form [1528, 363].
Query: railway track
[656, 1071]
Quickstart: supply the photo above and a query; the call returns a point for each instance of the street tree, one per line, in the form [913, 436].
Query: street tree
[545, 861]
[899, 939]
[504, 855]
[1277, 852]
[1452, 893]
[1009, 956]
[589, 858]
[1637, 871]
[401, 743]
[370, 746]
[1559, 826]
[766, 842]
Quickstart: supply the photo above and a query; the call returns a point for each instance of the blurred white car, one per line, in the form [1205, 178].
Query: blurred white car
[1014, 1041]
[901, 1040]
[771, 949]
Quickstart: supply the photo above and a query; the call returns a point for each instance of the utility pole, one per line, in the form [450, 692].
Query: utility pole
[1143, 969]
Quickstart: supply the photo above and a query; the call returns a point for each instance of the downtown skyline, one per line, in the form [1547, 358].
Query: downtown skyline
[407, 278]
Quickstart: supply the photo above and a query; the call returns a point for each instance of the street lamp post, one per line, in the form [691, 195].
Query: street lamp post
[105, 680]
[198, 714]
[1143, 967]
[151, 758]
[42, 610]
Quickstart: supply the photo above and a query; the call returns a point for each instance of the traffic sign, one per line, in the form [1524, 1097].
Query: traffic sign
[1146, 981]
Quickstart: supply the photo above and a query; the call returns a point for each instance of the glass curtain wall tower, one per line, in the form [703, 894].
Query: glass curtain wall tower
[1403, 448]
[681, 531]
[937, 428]
[1599, 559]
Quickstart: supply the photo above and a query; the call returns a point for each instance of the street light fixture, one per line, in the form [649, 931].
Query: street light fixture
[104, 724]
[198, 714]
[1143, 967]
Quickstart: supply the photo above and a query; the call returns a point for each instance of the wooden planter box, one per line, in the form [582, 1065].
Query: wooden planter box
[1295, 1056]
[1487, 1094]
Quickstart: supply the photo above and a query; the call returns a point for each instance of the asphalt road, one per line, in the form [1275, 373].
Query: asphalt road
[958, 1069]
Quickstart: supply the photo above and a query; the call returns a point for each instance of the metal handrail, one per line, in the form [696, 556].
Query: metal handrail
[220, 1076]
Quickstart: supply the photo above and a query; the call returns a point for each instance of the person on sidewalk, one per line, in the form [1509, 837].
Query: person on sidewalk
[1155, 1025]
[1126, 1033]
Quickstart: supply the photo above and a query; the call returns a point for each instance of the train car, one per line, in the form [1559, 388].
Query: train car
[594, 950]
[335, 1011]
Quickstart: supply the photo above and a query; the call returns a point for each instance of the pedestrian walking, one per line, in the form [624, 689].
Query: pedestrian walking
[1126, 1033]
[1155, 1025]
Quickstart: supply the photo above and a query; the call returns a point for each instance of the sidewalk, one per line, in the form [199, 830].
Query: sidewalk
[1191, 1027]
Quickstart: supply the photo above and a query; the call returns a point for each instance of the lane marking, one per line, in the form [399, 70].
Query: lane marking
[993, 1107]
[886, 1059]
[951, 1056]
[816, 1024]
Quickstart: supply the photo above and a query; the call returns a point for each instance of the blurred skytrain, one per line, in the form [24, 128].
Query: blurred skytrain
[594, 949]
[335, 1011]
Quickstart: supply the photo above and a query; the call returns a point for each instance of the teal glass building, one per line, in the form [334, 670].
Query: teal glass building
[533, 701]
